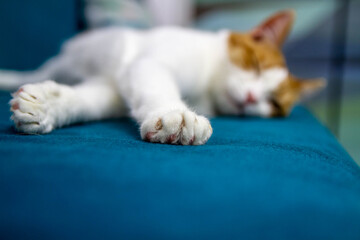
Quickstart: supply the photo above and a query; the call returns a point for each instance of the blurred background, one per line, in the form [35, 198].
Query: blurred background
[325, 40]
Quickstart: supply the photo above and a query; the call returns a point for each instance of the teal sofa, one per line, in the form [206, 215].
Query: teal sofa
[255, 179]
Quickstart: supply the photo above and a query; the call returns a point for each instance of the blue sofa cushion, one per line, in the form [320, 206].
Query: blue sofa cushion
[32, 31]
[255, 179]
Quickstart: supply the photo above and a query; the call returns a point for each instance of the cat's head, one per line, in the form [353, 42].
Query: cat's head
[257, 79]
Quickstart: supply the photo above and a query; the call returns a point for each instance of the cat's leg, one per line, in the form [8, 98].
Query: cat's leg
[39, 108]
[60, 68]
[155, 102]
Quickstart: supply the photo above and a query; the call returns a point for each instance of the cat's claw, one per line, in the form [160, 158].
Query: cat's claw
[32, 107]
[177, 127]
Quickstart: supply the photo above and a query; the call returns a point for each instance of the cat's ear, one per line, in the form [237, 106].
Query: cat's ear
[276, 28]
[310, 86]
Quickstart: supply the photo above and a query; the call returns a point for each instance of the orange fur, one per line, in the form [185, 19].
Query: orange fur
[249, 54]
[290, 91]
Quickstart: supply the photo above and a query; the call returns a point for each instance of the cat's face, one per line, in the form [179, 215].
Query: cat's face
[257, 80]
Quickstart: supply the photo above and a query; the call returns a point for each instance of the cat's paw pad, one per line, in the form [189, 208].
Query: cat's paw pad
[32, 107]
[177, 127]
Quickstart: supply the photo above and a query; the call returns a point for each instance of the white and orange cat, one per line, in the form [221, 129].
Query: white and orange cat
[167, 79]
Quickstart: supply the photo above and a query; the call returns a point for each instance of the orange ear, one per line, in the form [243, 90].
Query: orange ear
[310, 86]
[276, 28]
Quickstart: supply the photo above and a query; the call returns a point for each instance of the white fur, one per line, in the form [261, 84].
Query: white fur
[164, 75]
[241, 82]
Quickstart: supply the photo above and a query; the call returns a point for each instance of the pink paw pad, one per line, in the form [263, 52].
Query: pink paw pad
[171, 138]
[15, 106]
[148, 136]
[20, 90]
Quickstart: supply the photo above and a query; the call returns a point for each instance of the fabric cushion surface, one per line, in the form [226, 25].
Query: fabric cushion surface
[254, 179]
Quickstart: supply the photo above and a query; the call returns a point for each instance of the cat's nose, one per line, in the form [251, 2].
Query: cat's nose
[250, 98]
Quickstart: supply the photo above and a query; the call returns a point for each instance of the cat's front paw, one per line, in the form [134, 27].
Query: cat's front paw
[177, 127]
[33, 107]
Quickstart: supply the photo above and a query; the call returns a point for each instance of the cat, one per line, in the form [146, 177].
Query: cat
[168, 79]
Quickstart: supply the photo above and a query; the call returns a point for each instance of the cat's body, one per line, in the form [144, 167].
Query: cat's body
[162, 77]
[192, 58]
